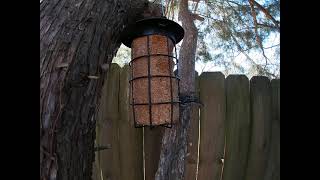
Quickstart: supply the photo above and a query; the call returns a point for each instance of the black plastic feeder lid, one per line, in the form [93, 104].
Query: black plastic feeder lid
[151, 26]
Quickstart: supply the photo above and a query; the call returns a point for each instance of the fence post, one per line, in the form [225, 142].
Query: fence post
[260, 97]
[212, 118]
[237, 127]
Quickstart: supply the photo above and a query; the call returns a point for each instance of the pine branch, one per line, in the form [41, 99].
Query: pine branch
[242, 50]
[258, 39]
[250, 59]
[172, 8]
[197, 17]
[196, 6]
[167, 8]
[206, 16]
[268, 15]
[227, 28]
[267, 25]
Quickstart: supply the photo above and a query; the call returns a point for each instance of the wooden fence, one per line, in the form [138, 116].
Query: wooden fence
[234, 136]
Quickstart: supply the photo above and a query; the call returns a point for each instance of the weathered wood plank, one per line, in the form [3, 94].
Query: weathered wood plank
[107, 126]
[152, 147]
[193, 137]
[212, 118]
[131, 149]
[260, 102]
[237, 127]
[273, 169]
[95, 166]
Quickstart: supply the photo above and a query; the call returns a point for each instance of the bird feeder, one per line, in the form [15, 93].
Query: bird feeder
[154, 87]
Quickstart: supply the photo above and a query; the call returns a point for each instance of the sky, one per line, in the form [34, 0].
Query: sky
[241, 59]
[209, 66]
[273, 39]
[123, 56]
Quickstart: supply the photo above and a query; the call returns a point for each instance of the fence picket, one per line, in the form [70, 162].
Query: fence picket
[237, 127]
[131, 149]
[107, 126]
[260, 97]
[212, 117]
[273, 168]
[152, 146]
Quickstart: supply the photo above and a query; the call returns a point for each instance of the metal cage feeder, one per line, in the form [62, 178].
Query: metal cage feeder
[154, 86]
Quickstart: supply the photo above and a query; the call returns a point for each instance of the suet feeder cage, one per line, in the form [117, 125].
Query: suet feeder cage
[154, 86]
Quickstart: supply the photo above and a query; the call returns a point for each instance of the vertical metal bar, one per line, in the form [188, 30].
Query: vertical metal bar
[177, 62]
[132, 98]
[134, 114]
[171, 96]
[149, 83]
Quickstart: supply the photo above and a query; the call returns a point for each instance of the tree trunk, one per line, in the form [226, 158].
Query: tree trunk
[78, 40]
[174, 142]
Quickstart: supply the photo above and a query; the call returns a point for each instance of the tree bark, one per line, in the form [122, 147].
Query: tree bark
[174, 142]
[78, 40]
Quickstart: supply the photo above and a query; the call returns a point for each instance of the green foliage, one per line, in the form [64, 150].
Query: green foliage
[232, 31]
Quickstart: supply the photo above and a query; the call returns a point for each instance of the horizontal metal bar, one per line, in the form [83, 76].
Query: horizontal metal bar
[130, 64]
[157, 103]
[154, 76]
[167, 125]
[166, 55]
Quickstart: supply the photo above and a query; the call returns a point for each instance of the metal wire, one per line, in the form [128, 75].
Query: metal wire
[171, 95]
[149, 82]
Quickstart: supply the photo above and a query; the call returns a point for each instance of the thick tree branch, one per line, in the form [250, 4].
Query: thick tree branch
[174, 142]
[75, 40]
